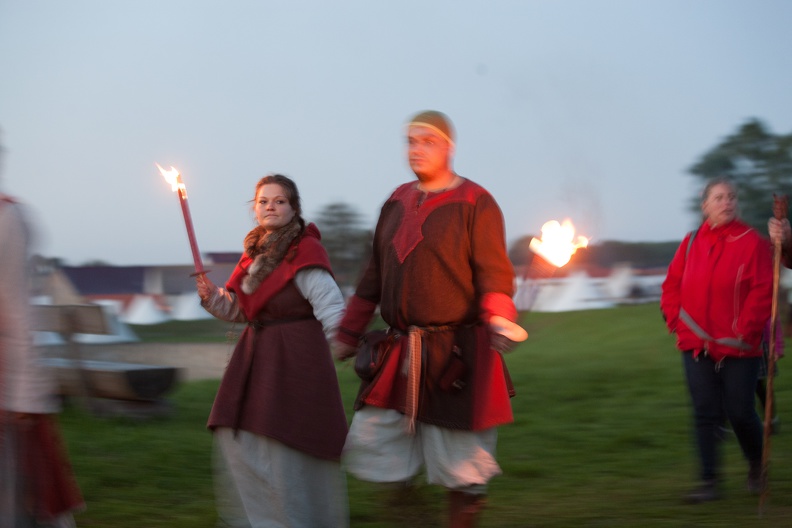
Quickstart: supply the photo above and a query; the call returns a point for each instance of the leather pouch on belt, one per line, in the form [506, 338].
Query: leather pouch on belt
[371, 353]
[453, 377]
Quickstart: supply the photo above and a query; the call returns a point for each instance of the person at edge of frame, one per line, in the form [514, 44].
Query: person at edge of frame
[37, 486]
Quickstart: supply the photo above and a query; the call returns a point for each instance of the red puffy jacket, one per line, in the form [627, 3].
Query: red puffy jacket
[717, 293]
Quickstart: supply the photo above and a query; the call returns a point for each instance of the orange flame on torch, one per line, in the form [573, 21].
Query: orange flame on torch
[557, 243]
[173, 177]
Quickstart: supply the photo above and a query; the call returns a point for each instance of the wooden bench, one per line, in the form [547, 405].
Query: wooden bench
[111, 379]
[105, 387]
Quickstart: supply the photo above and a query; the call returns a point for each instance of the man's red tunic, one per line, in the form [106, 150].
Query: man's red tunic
[439, 259]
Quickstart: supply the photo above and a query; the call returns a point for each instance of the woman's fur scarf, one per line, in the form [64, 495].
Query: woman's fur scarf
[267, 251]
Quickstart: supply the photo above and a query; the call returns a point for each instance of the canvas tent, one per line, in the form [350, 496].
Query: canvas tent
[187, 307]
[144, 310]
[578, 291]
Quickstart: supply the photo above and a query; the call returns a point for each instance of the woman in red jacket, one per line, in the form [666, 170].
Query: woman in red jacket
[716, 299]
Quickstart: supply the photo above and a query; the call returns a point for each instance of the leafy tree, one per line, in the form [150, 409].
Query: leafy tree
[348, 243]
[96, 263]
[641, 255]
[759, 162]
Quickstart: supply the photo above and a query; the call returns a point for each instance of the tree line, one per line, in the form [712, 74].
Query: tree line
[756, 159]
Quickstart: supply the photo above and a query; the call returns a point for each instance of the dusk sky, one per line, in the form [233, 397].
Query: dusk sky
[592, 110]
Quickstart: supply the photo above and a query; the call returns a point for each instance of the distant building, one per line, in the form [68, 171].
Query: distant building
[139, 291]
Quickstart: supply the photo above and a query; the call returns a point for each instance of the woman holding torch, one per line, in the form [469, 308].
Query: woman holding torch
[278, 419]
[716, 298]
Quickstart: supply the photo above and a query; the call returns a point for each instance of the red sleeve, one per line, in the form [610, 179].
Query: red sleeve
[356, 318]
[670, 298]
[498, 304]
[493, 274]
[361, 306]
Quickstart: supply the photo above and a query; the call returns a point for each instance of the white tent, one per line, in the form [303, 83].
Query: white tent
[786, 278]
[187, 307]
[576, 292]
[525, 293]
[120, 332]
[143, 310]
[650, 286]
[619, 283]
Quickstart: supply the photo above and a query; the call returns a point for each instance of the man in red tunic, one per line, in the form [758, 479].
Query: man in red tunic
[440, 274]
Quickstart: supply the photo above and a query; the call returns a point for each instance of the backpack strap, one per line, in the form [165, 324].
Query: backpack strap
[690, 241]
[687, 251]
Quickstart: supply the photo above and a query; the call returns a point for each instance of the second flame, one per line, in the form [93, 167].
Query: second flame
[557, 243]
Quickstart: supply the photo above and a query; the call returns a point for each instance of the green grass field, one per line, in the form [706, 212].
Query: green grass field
[601, 438]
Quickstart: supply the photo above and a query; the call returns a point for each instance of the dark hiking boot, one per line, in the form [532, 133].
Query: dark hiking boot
[706, 492]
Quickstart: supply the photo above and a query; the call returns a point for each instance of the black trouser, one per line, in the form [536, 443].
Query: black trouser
[717, 388]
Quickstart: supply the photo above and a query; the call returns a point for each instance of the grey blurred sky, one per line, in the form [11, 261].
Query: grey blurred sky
[590, 109]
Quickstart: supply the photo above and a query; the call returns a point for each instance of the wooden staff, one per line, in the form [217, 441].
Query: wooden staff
[780, 204]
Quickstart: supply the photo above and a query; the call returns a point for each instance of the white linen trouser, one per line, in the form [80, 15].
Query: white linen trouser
[379, 449]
